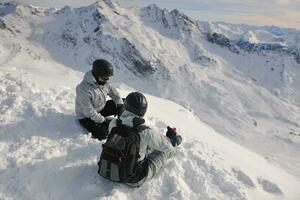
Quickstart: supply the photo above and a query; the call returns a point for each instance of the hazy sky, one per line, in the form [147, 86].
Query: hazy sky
[285, 13]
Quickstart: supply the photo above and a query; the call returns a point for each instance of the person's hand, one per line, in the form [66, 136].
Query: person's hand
[173, 136]
[120, 109]
[105, 124]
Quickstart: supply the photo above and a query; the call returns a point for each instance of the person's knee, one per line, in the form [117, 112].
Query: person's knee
[100, 133]
[155, 162]
[156, 157]
[151, 171]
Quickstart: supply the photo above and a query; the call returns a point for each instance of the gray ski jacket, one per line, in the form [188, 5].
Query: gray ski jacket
[150, 139]
[91, 98]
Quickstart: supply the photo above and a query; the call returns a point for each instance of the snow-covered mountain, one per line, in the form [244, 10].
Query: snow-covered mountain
[240, 80]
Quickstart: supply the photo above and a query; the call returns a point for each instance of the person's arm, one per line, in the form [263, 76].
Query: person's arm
[85, 101]
[112, 124]
[160, 142]
[114, 95]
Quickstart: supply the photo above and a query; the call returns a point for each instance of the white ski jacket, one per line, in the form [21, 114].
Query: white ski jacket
[150, 140]
[91, 98]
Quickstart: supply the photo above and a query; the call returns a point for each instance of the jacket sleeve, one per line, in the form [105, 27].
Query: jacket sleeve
[112, 124]
[85, 101]
[114, 95]
[159, 142]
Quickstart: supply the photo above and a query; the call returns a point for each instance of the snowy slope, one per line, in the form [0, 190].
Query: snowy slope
[244, 91]
[258, 34]
[44, 154]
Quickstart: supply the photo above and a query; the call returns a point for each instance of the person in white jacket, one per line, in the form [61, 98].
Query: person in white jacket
[155, 148]
[91, 105]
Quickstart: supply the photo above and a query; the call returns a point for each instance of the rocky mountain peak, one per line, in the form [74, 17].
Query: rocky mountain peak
[19, 9]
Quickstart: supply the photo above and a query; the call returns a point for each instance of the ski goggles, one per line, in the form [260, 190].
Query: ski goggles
[105, 78]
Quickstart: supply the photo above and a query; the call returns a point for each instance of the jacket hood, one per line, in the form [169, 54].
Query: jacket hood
[89, 78]
[130, 119]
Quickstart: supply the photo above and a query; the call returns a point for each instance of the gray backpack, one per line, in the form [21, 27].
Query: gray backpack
[119, 158]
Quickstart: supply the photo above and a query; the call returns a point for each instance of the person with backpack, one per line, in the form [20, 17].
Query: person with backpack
[133, 152]
[91, 106]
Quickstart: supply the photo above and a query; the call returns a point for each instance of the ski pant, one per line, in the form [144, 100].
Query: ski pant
[100, 130]
[154, 163]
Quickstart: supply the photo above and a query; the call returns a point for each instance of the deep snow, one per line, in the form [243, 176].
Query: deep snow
[46, 155]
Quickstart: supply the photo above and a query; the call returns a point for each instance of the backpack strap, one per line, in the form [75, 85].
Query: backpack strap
[117, 129]
[136, 130]
[140, 128]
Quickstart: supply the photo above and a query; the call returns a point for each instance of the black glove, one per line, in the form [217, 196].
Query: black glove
[101, 130]
[119, 110]
[172, 135]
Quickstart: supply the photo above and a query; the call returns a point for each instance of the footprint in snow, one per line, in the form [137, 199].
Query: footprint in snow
[244, 178]
[269, 186]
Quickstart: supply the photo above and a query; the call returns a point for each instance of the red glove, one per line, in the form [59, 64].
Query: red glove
[172, 135]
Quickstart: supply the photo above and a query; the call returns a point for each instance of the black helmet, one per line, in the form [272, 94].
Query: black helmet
[136, 103]
[102, 67]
